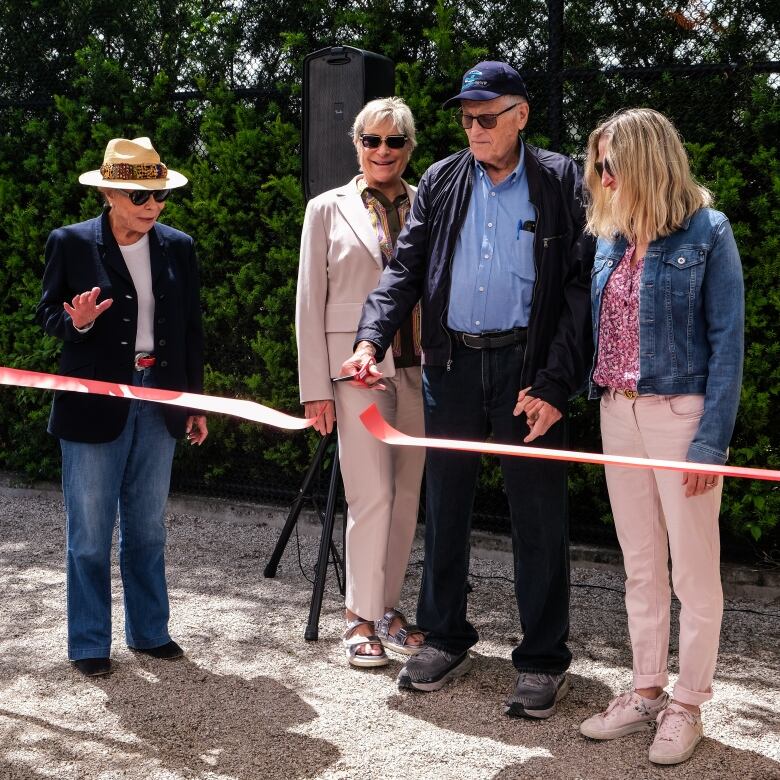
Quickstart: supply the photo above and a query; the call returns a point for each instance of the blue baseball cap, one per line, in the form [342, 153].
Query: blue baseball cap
[488, 80]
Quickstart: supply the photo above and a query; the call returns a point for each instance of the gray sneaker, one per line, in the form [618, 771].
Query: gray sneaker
[432, 669]
[537, 694]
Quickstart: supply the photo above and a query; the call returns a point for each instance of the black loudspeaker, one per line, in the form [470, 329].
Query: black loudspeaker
[337, 83]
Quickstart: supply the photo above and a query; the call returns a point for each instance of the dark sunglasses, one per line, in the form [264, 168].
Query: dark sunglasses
[139, 197]
[487, 121]
[371, 141]
[602, 166]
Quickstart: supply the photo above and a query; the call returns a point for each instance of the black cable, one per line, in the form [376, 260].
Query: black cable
[620, 591]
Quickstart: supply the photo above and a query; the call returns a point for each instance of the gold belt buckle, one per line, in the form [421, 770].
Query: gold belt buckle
[630, 394]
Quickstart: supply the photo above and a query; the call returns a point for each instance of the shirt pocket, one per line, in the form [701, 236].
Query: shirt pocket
[523, 264]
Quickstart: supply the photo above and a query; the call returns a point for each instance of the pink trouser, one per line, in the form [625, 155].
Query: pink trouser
[382, 488]
[653, 517]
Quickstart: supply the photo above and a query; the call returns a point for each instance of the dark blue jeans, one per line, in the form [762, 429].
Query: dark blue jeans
[472, 400]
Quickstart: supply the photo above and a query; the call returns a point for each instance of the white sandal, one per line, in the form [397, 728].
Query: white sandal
[353, 641]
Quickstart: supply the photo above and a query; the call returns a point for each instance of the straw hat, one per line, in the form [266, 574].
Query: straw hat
[132, 165]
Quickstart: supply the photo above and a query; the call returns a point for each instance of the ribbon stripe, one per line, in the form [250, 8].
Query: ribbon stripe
[371, 419]
[378, 427]
[236, 407]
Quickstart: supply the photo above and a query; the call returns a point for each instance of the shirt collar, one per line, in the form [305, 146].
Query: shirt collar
[369, 192]
[512, 178]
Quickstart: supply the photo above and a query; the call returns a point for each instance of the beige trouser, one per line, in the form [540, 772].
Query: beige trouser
[653, 517]
[382, 488]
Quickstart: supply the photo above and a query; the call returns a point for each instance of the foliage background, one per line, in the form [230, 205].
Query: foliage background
[217, 86]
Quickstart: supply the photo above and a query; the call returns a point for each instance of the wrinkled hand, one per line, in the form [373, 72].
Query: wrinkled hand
[324, 412]
[196, 429]
[541, 416]
[84, 310]
[698, 484]
[363, 366]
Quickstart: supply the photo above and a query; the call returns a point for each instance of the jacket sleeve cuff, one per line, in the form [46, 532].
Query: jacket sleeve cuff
[700, 453]
[379, 354]
[552, 395]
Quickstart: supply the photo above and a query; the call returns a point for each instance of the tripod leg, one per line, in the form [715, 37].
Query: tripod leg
[312, 627]
[295, 509]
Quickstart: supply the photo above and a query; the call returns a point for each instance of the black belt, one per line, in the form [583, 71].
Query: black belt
[494, 340]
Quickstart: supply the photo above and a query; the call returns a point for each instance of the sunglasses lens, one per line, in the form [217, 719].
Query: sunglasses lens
[370, 141]
[603, 165]
[466, 120]
[138, 197]
[488, 121]
[395, 141]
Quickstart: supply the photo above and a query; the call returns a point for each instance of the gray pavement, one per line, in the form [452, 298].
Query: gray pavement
[252, 699]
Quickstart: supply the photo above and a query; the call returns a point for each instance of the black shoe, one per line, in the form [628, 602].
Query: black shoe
[169, 650]
[93, 667]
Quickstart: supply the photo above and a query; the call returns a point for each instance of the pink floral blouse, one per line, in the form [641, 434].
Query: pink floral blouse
[617, 364]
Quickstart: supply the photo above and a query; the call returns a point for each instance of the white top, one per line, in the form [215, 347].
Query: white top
[139, 264]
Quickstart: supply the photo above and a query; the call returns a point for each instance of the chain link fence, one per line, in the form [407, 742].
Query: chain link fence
[703, 63]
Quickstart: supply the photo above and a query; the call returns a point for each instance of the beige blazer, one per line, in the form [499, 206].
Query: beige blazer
[340, 265]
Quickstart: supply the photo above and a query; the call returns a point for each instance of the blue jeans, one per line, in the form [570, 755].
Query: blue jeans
[132, 473]
[476, 397]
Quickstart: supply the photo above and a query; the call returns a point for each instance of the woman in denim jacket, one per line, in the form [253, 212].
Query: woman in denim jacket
[668, 313]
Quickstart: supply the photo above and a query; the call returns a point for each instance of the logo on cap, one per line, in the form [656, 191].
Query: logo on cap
[470, 79]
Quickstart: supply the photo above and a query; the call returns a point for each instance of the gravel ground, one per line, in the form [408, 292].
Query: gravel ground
[252, 699]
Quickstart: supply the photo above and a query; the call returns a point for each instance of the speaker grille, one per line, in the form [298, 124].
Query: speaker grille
[337, 83]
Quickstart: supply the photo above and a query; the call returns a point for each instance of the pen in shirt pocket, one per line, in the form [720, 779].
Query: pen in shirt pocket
[528, 225]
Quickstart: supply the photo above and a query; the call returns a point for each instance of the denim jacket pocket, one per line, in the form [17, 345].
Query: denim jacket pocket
[683, 271]
[681, 280]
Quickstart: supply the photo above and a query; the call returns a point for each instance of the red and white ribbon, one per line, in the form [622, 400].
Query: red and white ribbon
[247, 410]
[371, 418]
[378, 427]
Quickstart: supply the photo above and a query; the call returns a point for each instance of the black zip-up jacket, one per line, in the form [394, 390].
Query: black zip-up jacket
[559, 345]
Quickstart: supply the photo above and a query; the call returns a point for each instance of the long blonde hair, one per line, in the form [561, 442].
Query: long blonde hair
[655, 188]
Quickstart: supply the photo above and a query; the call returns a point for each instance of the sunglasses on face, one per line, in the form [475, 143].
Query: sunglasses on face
[487, 121]
[371, 141]
[139, 197]
[603, 165]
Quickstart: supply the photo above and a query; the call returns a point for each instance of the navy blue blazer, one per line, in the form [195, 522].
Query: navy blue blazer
[86, 255]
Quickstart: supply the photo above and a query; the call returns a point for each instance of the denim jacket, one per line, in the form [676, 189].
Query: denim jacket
[691, 322]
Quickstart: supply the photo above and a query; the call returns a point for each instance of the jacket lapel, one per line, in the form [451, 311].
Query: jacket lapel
[156, 254]
[109, 249]
[352, 208]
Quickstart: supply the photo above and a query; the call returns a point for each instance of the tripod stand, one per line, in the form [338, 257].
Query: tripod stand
[326, 537]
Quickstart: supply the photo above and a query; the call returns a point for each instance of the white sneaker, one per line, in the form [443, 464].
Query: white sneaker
[625, 714]
[679, 731]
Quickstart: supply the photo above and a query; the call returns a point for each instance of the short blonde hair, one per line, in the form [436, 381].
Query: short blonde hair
[377, 111]
[655, 191]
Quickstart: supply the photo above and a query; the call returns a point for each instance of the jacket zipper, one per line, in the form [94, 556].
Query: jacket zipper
[533, 294]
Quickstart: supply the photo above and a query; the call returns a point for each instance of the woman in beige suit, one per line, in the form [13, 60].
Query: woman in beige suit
[348, 237]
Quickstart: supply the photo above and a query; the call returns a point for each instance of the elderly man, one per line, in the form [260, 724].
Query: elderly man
[494, 248]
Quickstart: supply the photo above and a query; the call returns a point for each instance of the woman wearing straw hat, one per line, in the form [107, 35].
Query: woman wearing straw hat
[122, 293]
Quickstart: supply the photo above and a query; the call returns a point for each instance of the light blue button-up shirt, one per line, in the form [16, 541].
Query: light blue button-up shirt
[493, 266]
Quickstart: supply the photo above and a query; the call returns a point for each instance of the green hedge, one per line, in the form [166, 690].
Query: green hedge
[244, 205]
